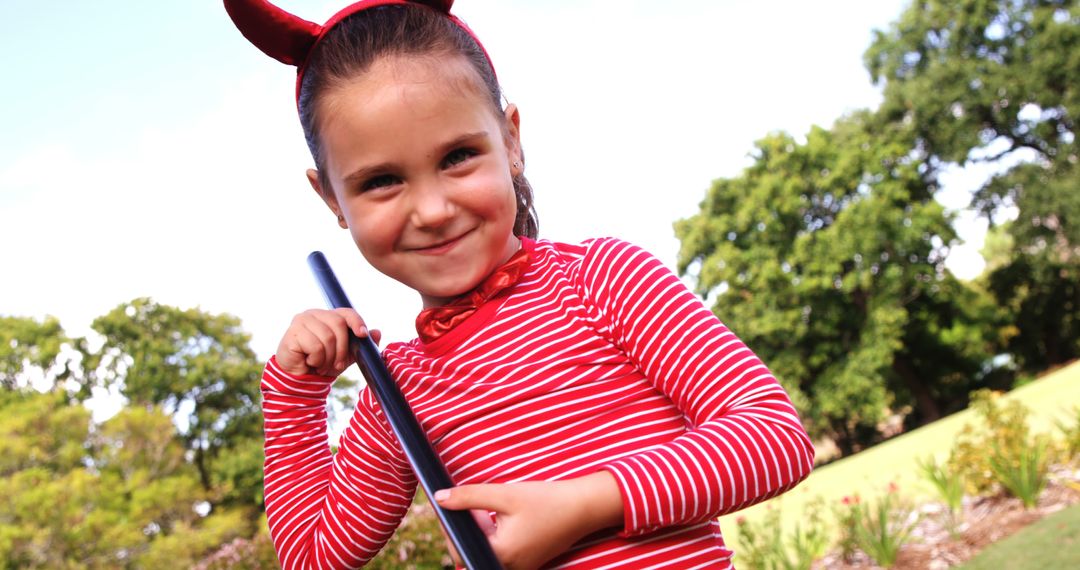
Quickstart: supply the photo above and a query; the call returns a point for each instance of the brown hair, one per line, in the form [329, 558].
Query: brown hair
[354, 44]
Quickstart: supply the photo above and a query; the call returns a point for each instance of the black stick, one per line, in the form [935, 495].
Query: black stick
[471, 543]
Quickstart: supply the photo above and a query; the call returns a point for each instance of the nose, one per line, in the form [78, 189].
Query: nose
[432, 204]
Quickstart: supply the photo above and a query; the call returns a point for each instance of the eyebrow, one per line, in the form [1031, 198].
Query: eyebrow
[384, 167]
[467, 137]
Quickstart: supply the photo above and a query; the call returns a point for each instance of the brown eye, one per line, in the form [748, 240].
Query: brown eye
[380, 182]
[457, 156]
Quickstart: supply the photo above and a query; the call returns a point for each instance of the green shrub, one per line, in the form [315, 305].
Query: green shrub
[879, 529]
[763, 545]
[256, 553]
[1001, 453]
[949, 485]
[1025, 475]
[1003, 428]
[848, 514]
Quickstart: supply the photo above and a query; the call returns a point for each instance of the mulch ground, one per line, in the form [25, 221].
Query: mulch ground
[986, 520]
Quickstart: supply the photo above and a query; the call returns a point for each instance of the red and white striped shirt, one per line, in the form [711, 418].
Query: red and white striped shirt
[598, 359]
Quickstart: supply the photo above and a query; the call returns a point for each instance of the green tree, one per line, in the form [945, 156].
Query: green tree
[995, 81]
[27, 344]
[1039, 279]
[135, 491]
[141, 460]
[199, 369]
[970, 73]
[41, 431]
[75, 495]
[827, 257]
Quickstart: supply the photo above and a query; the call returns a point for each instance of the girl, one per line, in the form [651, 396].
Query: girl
[577, 393]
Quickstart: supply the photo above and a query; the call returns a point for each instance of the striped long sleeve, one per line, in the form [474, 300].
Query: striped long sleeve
[327, 510]
[746, 442]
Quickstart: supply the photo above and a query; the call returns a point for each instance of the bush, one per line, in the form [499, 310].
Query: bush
[1002, 453]
[255, 553]
[763, 545]
[1004, 430]
[848, 514]
[949, 485]
[1025, 475]
[879, 529]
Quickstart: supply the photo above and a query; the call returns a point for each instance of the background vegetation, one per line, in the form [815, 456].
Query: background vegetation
[826, 254]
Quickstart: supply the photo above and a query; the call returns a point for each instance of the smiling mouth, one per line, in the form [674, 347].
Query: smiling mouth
[440, 247]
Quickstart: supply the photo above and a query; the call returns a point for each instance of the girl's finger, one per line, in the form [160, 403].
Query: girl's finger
[319, 342]
[354, 321]
[482, 497]
[340, 329]
[313, 349]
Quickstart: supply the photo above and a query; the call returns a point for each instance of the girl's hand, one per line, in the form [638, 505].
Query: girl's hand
[317, 342]
[537, 521]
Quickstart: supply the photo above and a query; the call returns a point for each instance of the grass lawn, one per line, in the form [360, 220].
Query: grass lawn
[1050, 398]
[1053, 542]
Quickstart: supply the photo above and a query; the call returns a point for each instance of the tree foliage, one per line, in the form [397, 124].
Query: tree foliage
[174, 480]
[827, 255]
[74, 495]
[138, 490]
[27, 344]
[970, 73]
[827, 258]
[995, 81]
[198, 368]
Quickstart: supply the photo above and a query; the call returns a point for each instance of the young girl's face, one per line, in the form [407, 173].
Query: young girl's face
[421, 168]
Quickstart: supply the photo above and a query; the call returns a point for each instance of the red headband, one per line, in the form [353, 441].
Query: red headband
[291, 40]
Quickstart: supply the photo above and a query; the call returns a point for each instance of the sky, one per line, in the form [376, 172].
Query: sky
[148, 150]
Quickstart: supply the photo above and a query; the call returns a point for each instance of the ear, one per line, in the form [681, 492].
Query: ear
[513, 139]
[327, 195]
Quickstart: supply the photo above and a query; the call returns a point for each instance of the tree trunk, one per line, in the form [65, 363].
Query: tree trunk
[843, 438]
[924, 402]
[200, 464]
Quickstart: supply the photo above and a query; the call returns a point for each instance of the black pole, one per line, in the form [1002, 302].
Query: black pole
[471, 543]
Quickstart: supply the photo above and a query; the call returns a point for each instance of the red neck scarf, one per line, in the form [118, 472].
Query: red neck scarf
[435, 322]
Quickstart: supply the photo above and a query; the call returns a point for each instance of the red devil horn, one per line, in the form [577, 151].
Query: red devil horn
[279, 34]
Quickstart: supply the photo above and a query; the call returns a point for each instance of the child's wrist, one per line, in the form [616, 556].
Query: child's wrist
[599, 501]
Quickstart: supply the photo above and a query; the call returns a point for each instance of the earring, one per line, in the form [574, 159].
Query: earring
[341, 219]
[517, 165]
